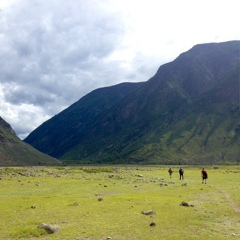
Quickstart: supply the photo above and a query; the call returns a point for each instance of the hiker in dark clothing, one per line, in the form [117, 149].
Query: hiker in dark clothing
[170, 171]
[204, 175]
[181, 171]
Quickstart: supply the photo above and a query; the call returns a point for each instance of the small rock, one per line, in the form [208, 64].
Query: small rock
[148, 212]
[100, 199]
[75, 204]
[22, 174]
[33, 207]
[50, 228]
[152, 224]
[185, 204]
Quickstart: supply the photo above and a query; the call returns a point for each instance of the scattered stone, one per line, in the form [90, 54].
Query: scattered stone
[50, 228]
[163, 184]
[105, 185]
[139, 175]
[185, 204]
[22, 174]
[148, 212]
[171, 182]
[184, 185]
[152, 224]
[108, 238]
[33, 207]
[75, 204]
[100, 199]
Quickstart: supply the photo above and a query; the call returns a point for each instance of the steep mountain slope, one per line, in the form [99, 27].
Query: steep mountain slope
[14, 152]
[183, 114]
[68, 128]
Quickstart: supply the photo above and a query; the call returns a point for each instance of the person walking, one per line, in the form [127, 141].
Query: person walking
[170, 171]
[181, 171]
[204, 176]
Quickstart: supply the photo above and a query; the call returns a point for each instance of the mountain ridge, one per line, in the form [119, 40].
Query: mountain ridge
[140, 126]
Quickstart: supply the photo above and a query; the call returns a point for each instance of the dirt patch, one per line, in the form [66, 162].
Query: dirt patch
[231, 202]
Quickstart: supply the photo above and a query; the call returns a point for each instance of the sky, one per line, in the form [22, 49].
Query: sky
[54, 52]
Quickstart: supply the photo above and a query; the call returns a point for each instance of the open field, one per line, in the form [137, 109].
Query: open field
[106, 202]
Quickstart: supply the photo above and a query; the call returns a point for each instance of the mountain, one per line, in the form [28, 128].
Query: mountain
[187, 113]
[57, 135]
[14, 152]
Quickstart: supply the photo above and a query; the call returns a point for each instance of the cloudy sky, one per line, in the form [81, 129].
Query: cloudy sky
[54, 52]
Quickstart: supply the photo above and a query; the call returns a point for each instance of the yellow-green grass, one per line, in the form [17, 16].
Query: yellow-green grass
[70, 198]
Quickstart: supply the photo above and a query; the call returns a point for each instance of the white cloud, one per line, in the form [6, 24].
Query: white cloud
[54, 52]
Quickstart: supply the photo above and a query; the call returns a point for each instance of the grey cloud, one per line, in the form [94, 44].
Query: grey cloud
[52, 54]
[47, 43]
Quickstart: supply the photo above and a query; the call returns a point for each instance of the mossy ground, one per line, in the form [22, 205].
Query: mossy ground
[69, 197]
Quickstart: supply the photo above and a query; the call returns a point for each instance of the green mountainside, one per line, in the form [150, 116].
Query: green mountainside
[188, 112]
[14, 152]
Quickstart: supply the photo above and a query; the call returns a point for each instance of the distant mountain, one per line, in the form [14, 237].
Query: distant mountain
[59, 134]
[14, 152]
[187, 113]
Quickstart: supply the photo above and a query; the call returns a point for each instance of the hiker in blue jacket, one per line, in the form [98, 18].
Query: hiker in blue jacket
[181, 171]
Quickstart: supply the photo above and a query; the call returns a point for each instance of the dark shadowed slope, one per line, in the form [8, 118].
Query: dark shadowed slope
[59, 134]
[14, 152]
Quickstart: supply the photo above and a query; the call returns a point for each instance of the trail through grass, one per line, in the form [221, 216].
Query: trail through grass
[94, 202]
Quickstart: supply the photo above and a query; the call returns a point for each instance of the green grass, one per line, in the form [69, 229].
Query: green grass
[69, 198]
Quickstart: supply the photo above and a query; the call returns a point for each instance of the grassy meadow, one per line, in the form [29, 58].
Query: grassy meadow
[106, 202]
